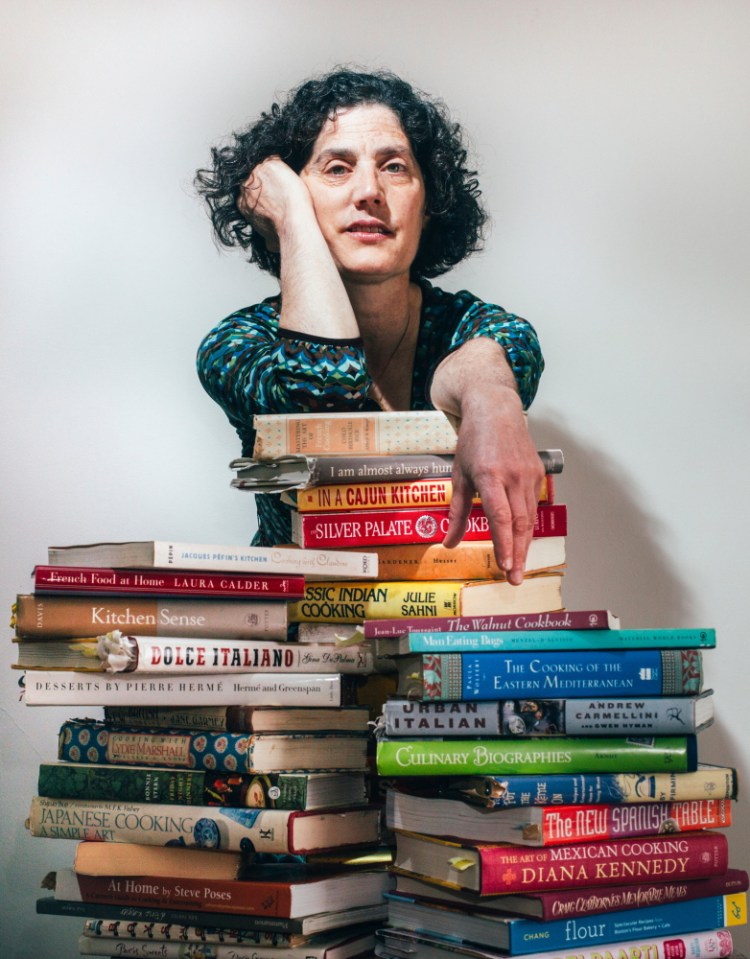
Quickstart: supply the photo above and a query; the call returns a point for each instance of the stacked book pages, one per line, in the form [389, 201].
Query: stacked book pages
[225, 789]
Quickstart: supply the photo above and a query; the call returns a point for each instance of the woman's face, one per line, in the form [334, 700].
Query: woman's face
[368, 193]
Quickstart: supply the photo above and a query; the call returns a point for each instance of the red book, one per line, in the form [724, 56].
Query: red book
[89, 580]
[562, 619]
[492, 869]
[395, 527]
[287, 891]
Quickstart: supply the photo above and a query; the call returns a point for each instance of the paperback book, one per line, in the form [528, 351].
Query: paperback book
[594, 619]
[243, 719]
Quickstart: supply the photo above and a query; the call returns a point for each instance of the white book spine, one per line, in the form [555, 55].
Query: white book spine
[61, 688]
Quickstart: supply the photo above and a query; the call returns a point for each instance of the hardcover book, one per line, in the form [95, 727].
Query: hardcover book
[172, 932]
[487, 675]
[491, 869]
[525, 718]
[520, 936]
[350, 434]
[562, 619]
[49, 617]
[52, 688]
[184, 916]
[303, 472]
[243, 719]
[116, 652]
[338, 944]
[591, 901]
[549, 825]
[471, 641]
[159, 554]
[469, 560]
[206, 827]
[284, 892]
[466, 757]
[90, 741]
[357, 602]
[392, 527]
[707, 944]
[717, 782]
[197, 787]
[411, 494]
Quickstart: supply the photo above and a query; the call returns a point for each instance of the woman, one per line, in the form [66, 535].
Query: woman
[353, 193]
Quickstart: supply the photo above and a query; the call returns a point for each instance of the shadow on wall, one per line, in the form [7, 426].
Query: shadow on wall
[616, 558]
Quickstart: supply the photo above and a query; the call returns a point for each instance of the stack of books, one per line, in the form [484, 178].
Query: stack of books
[225, 790]
[545, 794]
[381, 482]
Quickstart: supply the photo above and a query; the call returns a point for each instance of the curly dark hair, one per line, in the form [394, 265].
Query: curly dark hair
[290, 129]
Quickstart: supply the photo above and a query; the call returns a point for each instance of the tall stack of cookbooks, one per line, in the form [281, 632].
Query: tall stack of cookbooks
[221, 807]
[540, 767]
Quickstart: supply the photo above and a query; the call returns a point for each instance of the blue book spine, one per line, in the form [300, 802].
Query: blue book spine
[499, 791]
[677, 918]
[629, 672]
[566, 639]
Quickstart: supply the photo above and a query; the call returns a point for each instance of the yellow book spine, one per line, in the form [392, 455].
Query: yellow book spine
[341, 602]
[337, 497]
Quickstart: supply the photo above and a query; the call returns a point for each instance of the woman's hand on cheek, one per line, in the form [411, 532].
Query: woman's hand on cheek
[269, 195]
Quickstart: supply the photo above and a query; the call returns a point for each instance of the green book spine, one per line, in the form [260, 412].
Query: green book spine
[430, 757]
[128, 784]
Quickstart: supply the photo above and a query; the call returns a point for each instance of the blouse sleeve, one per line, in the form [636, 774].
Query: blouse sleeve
[517, 337]
[249, 365]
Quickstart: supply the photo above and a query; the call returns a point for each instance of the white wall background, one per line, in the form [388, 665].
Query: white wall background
[613, 140]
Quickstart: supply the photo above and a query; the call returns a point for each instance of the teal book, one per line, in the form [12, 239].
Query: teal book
[533, 640]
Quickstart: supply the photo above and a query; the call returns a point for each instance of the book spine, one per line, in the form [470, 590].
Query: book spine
[177, 916]
[161, 824]
[600, 787]
[316, 563]
[680, 919]
[565, 619]
[44, 688]
[212, 895]
[88, 741]
[326, 470]
[430, 757]
[406, 526]
[413, 494]
[560, 825]
[470, 676]
[562, 639]
[40, 616]
[514, 869]
[362, 943]
[520, 718]
[199, 718]
[140, 582]
[355, 602]
[183, 655]
[186, 787]
[114, 929]
[574, 903]
[468, 560]
[345, 434]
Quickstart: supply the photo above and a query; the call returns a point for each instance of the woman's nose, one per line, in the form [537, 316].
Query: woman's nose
[367, 186]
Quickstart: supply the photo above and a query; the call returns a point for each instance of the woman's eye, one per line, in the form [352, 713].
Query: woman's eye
[337, 169]
[395, 166]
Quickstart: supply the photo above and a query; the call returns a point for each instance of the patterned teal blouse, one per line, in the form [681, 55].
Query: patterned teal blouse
[249, 364]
